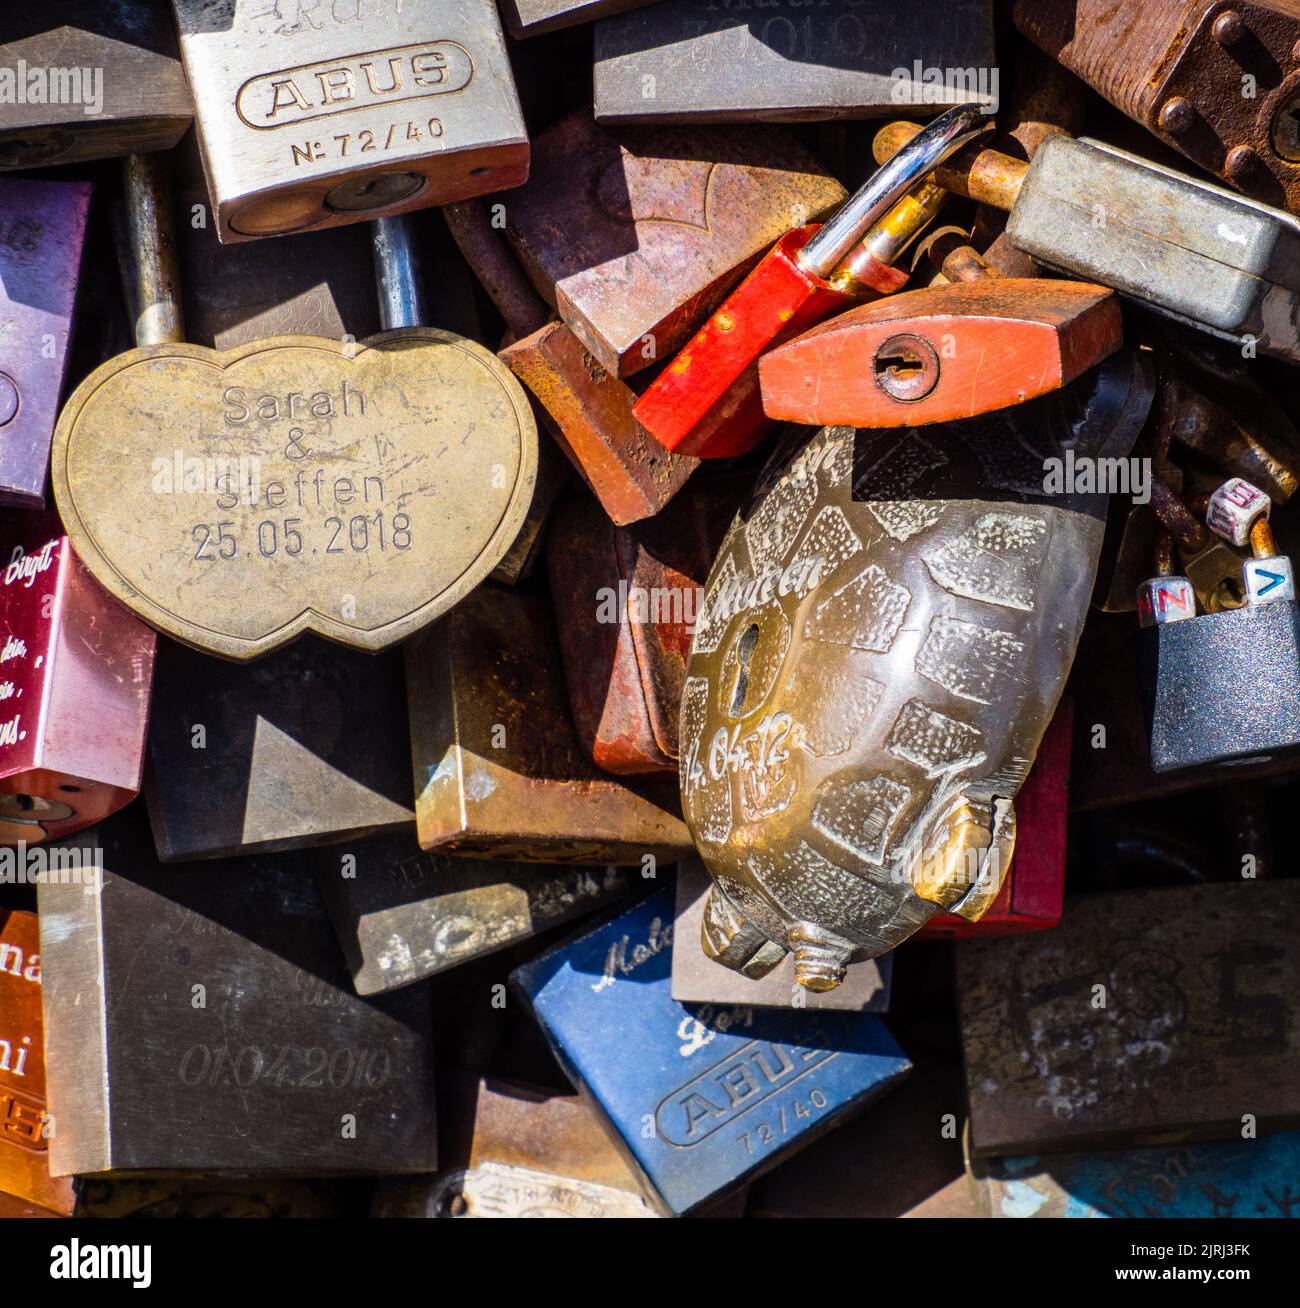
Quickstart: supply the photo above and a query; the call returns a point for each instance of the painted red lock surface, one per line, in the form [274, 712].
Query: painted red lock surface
[706, 403]
[1032, 894]
[75, 673]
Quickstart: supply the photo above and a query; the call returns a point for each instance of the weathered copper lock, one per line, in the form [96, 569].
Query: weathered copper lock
[42, 229]
[942, 354]
[24, 1124]
[402, 913]
[498, 768]
[311, 115]
[83, 81]
[636, 236]
[928, 578]
[295, 484]
[1215, 81]
[75, 674]
[201, 1020]
[706, 401]
[784, 61]
[625, 603]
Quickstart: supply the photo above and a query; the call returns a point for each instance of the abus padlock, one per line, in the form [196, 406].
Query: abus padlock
[927, 576]
[75, 674]
[1185, 248]
[42, 230]
[295, 484]
[1197, 1027]
[314, 115]
[25, 1178]
[85, 81]
[706, 401]
[201, 1020]
[635, 236]
[681, 61]
[402, 913]
[1216, 81]
[730, 1090]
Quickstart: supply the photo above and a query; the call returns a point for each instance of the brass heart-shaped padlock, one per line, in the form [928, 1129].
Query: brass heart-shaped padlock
[235, 499]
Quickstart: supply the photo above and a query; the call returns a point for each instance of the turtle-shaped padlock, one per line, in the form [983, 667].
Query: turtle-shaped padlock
[883, 638]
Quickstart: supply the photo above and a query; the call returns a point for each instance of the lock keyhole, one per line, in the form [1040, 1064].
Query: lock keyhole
[744, 653]
[1284, 132]
[906, 367]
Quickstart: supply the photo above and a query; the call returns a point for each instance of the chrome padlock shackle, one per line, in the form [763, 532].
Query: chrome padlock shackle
[930, 147]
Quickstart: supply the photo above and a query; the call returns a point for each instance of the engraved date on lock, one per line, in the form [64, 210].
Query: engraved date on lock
[359, 534]
[286, 1067]
[761, 750]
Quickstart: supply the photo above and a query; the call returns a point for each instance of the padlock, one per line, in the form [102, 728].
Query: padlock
[1146, 1016]
[306, 746]
[585, 410]
[935, 582]
[237, 499]
[402, 913]
[1034, 889]
[706, 401]
[75, 674]
[625, 602]
[682, 62]
[525, 18]
[201, 1020]
[1187, 249]
[942, 354]
[729, 1090]
[498, 768]
[311, 116]
[636, 236]
[1215, 81]
[80, 82]
[1212, 566]
[42, 230]
[1224, 685]
[1236, 1178]
[698, 979]
[520, 1153]
[24, 1123]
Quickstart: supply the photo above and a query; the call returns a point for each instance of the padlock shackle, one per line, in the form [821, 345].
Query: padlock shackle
[399, 282]
[146, 241]
[920, 156]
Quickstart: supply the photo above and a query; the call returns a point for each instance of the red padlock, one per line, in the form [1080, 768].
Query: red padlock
[705, 403]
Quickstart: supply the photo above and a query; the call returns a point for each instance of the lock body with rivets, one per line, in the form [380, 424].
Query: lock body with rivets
[837, 824]
[311, 116]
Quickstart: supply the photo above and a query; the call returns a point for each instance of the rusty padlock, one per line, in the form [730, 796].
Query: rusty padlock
[706, 402]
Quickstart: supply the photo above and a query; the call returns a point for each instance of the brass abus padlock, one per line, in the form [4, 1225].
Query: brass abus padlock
[882, 641]
[312, 115]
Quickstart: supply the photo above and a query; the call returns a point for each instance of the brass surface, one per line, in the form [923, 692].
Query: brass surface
[355, 490]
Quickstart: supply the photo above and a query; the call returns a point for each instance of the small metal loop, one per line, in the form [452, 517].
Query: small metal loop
[930, 147]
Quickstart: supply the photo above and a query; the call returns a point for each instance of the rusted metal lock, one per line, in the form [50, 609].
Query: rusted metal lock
[310, 116]
[706, 402]
[306, 746]
[1148, 1015]
[521, 1153]
[625, 602]
[497, 763]
[75, 673]
[24, 1126]
[403, 913]
[943, 353]
[1215, 81]
[1185, 248]
[928, 577]
[729, 1090]
[200, 1019]
[293, 484]
[89, 81]
[635, 236]
[42, 230]
[526, 18]
[681, 61]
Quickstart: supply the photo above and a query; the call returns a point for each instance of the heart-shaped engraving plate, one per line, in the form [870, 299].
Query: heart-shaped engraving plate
[235, 499]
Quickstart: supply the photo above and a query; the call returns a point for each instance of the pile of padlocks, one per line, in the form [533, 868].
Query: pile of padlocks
[619, 520]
